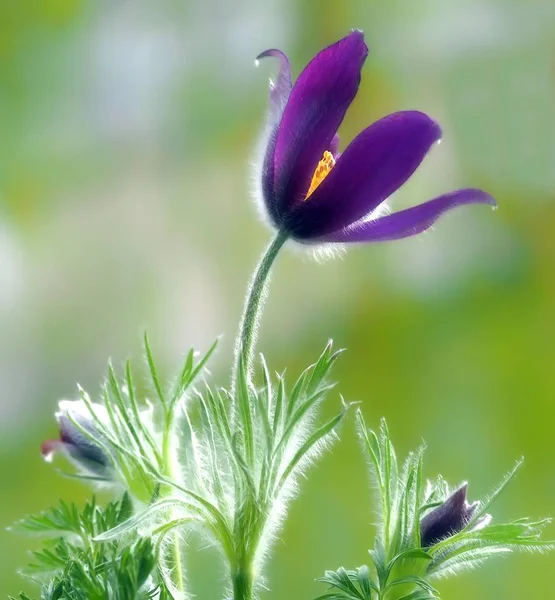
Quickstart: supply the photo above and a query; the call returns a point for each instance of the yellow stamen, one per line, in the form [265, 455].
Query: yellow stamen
[322, 171]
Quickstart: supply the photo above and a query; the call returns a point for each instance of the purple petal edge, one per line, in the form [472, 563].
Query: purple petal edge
[409, 222]
[281, 88]
[49, 447]
[279, 94]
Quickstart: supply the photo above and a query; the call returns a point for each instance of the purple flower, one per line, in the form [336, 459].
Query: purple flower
[448, 518]
[75, 443]
[314, 193]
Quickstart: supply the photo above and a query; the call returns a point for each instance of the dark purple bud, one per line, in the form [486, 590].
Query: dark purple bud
[74, 441]
[447, 519]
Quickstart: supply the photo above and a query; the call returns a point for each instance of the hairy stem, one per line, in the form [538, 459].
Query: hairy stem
[244, 346]
[167, 448]
[242, 583]
[178, 565]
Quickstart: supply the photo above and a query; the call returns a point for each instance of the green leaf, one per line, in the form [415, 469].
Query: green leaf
[418, 595]
[138, 420]
[465, 557]
[278, 409]
[208, 429]
[341, 580]
[409, 553]
[322, 367]
[294, 423]
[412, 580]
[189, 373]
[344, 582]
[365, 582]
[245, 413]
[378, 559]
[483, 507]
[417, 553]
[78, 569]
[305, 450]
[132, 523]
[297, 391]
[262, 409]
[153, 371]
[336, 596]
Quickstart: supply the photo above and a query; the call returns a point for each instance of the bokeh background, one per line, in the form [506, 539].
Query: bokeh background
[127, 133]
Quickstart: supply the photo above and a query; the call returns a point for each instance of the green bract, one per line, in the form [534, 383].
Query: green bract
[235, 465]
[401, 568]
[203, 458]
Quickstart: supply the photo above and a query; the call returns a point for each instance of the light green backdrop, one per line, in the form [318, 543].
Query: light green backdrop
[127, 133]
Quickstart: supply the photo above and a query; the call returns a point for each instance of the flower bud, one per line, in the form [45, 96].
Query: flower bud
[447, 519]
[75, 443]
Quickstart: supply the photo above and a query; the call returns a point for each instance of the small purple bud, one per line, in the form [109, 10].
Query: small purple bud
[75, 443]
[447, 519]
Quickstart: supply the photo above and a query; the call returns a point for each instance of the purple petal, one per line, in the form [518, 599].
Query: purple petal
[49, 447]
[374, 165]
[279, 94]
[84, 461]
[447, 519]
[80, 444]
[410, 221]
[314, 111]
[281, 88]
[267, 175]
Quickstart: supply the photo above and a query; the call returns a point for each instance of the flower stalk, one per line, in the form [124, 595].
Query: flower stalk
[175, 552]
[242, 583]
[256, 295]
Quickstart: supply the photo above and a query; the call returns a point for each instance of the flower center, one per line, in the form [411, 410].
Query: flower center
[322, 171]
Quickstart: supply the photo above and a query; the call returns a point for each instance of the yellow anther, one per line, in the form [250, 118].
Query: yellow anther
[321, 172]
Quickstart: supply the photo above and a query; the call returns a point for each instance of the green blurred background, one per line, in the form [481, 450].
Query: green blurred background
[127, 133]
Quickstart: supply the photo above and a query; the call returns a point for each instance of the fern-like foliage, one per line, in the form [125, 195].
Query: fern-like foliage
[71, 565]
[138, 439]
[425, 530]
[220, 462]
[236, 462]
